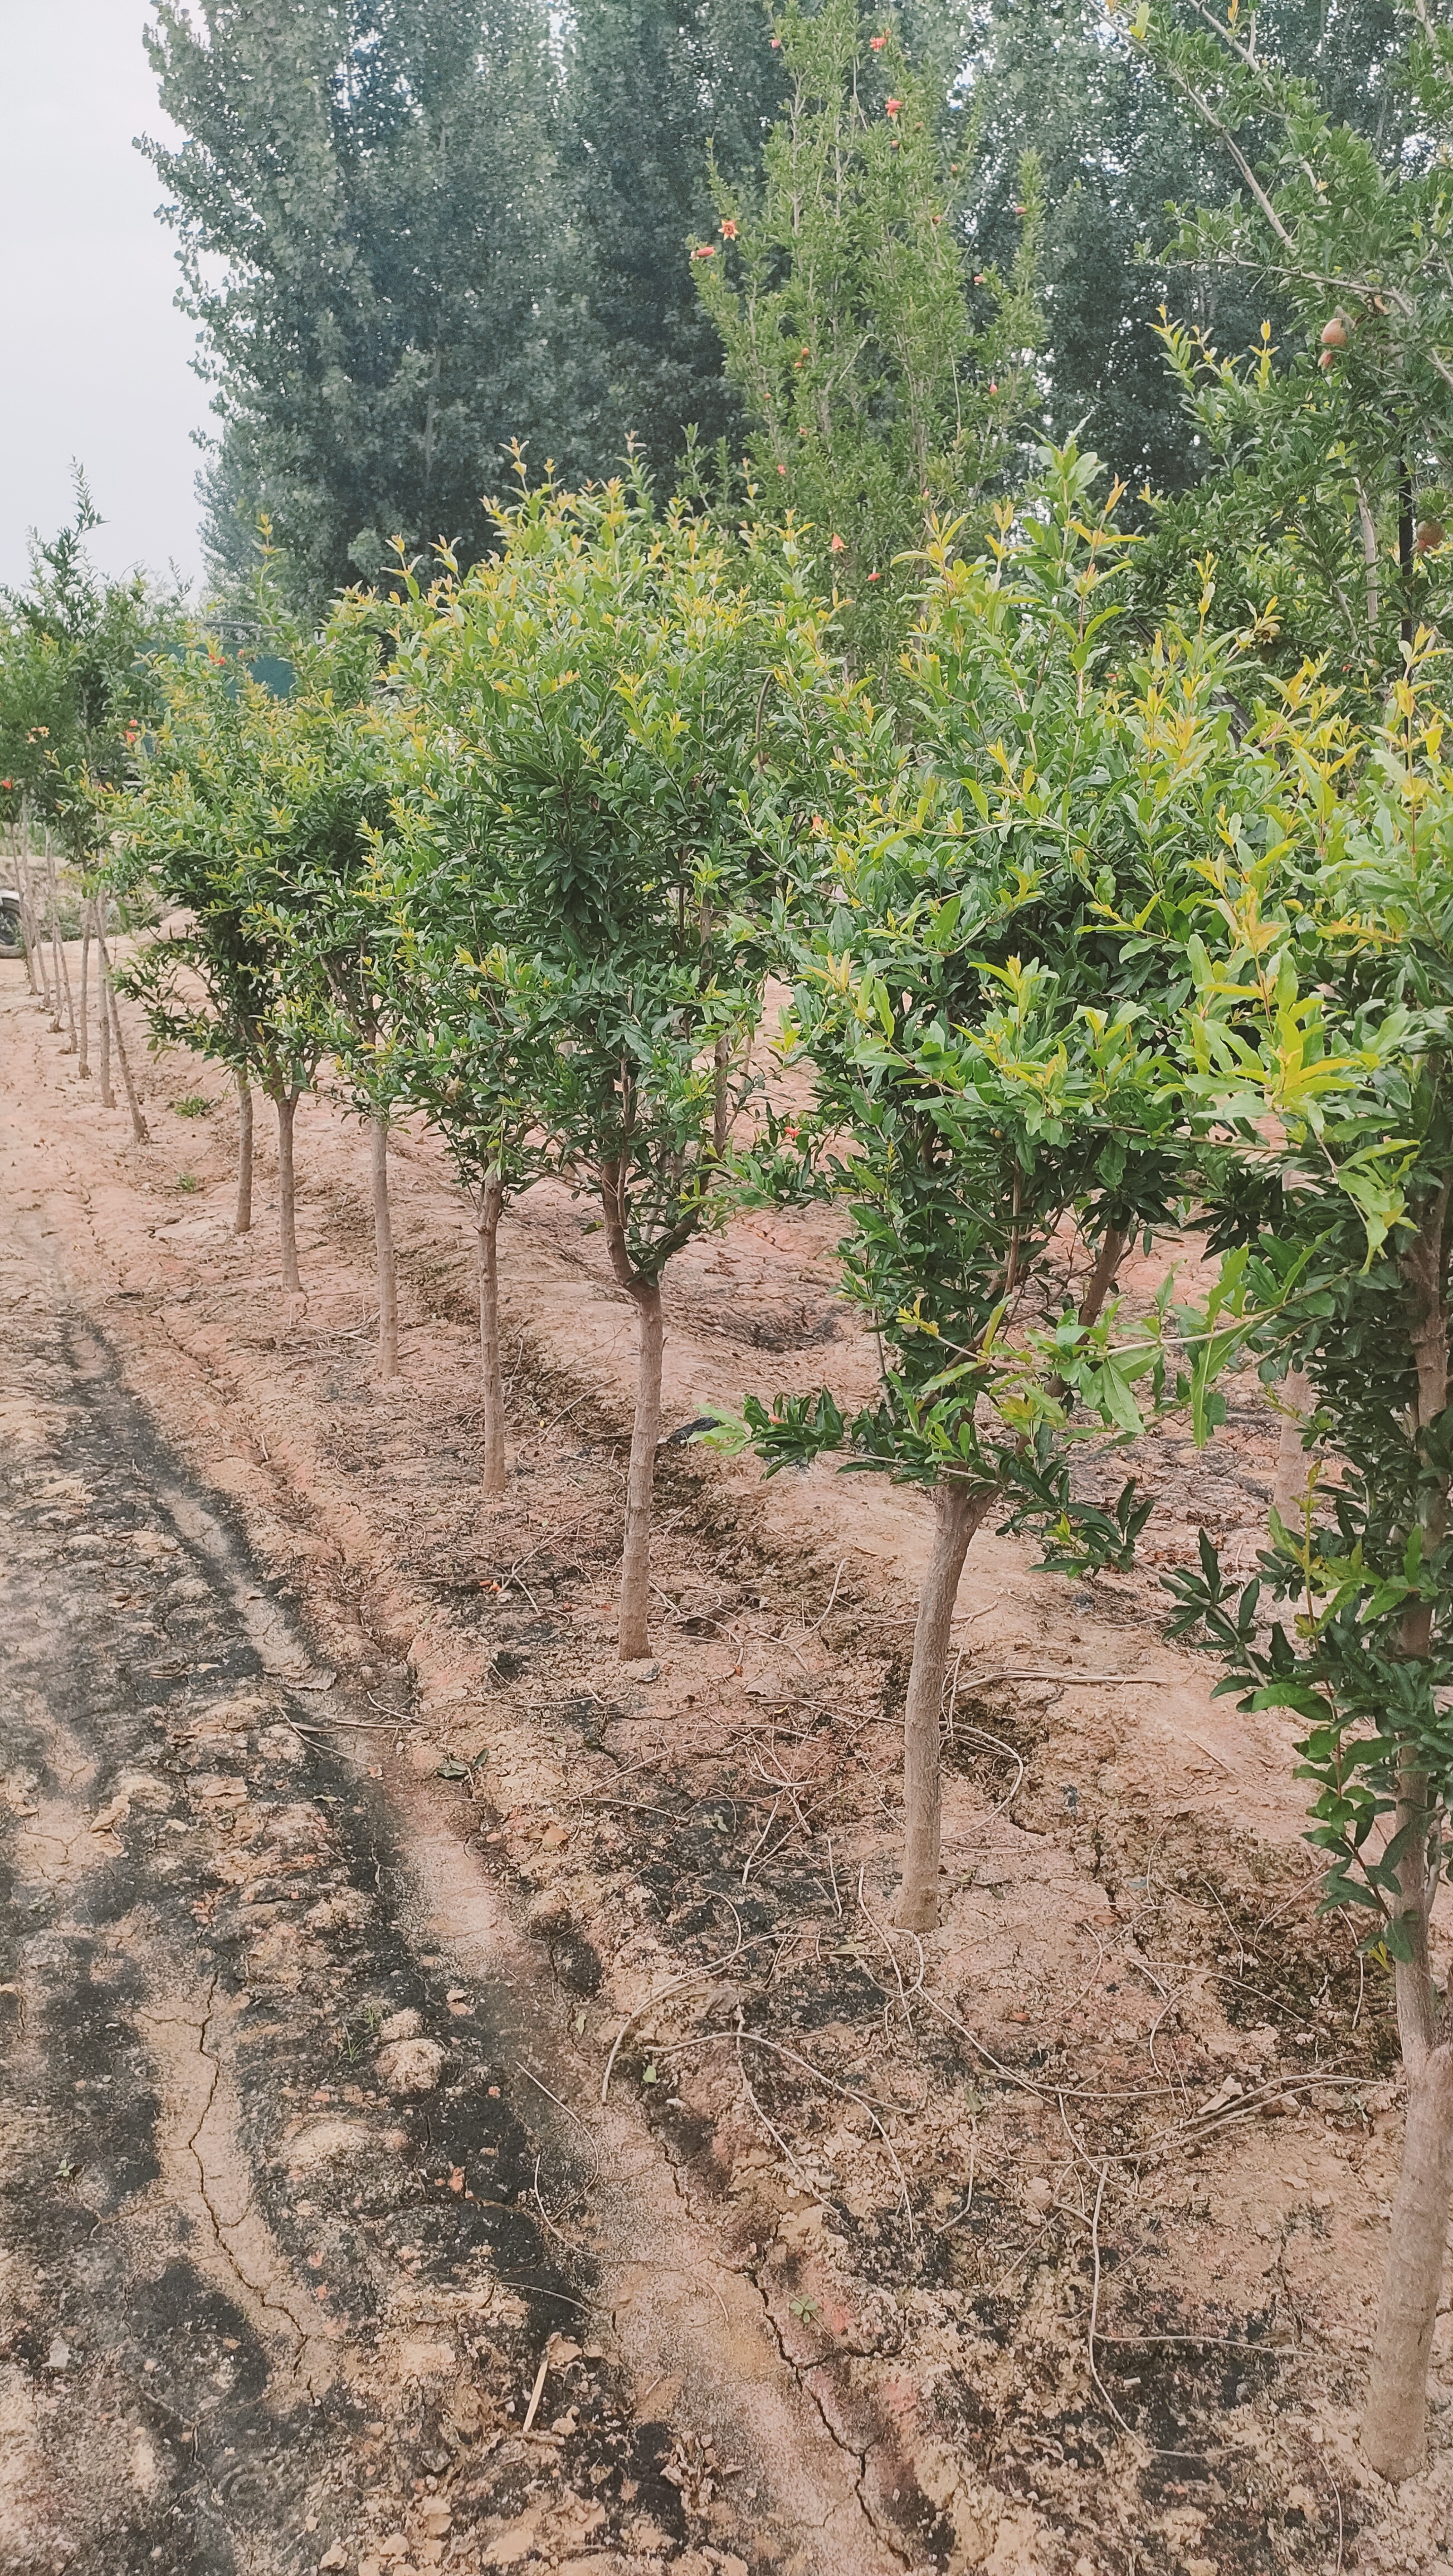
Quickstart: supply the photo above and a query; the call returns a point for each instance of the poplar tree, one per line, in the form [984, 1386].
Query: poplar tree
[363, 206]
[651, 86]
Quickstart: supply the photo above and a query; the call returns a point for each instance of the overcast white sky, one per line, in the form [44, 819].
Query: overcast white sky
[95, 355]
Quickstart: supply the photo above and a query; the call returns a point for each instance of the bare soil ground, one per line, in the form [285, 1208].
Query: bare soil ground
[1047, 2246]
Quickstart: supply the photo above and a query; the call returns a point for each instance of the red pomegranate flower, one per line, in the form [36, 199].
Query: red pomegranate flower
[704, 250]
[877, 43]
[891, 106]
[836, 546]
[728, 230]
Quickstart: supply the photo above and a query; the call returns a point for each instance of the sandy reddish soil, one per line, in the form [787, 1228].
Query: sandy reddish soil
[1048, 2244]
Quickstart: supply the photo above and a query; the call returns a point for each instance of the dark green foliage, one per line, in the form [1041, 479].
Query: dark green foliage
[1118, 145]
[364, 206]
[1328, 444]
[650, 84]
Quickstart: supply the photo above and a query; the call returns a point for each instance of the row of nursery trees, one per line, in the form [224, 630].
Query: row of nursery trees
[1092, 936]
[1109, 866]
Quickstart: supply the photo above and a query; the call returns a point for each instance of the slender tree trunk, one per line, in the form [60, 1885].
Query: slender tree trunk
[103, 1014]
[287, 1102]
[1097, 1289]
[108, 1005]
[957, 1513]
[1368, 526]
[1394, 2425]
[1414, 1993]
[242, 1221]
[64, 972]
[34, 961]
[634, 1639]
[721, 1106]
[1289, 1487]
[1101, 1279]
[491, 1371]
[55, 972]
[83, 1066]
[1405, 550]
[383, 1240]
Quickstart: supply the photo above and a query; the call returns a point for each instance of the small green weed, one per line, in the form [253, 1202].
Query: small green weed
[194, 1106]
[188, 1181]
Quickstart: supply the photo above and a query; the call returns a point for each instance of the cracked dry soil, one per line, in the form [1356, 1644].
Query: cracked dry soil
[263, 2312]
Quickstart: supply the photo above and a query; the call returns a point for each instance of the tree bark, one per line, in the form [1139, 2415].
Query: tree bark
[103, 1012]
[54, 972]
[242, 1221]
[957, 1513]
[491, 1370]
[108, 1005]
[634, 1636]
[63, 972]
[34, 954]
[1414, 1993]
[721, 1107]
[1289, 1486]
[1394, 2424]
[383, 1244]
[83, 1066]
[286, 1103]
[1101, 1279]
[1394, 2419]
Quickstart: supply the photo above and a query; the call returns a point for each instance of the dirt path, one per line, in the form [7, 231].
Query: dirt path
[1046, 2247]
[278, 2288]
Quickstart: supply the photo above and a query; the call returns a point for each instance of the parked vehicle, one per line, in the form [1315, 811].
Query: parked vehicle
[9, 921]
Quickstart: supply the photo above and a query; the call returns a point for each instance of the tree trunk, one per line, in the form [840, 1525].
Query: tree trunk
[1289, 1487]
[287, 1102]
[491, 1371]
[55, 972]
[1101, 1279]
[634, 1639]
[34, 954]
[103, 1012]
[1414, 1993]
[242, 1221]
[108, 1005]
[63, 972]
[957, 1514]
[383, 1240]
[83, 1066]
[1394, 2424]
[1394, 2420]
[721, 1106]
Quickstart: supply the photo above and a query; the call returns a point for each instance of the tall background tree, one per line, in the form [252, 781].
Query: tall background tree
[879, 395]
[650, 83]
[364, 206]
[1120, 146]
